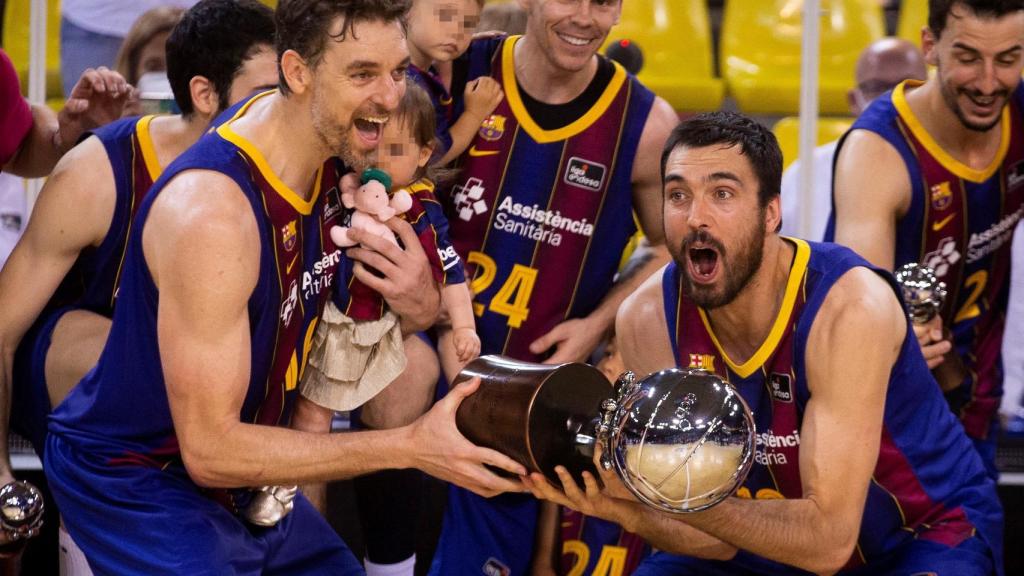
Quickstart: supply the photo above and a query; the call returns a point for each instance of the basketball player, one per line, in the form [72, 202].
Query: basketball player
[859, 465]
[934, 173]
[58, 289]
[542, 210]
[227, 269]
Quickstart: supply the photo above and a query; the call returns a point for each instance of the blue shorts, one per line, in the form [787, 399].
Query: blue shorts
[486, 536]
[148, 521]
[918, 557]
[30, 399]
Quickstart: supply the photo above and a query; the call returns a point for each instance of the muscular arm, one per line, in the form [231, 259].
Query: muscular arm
[861, 318]
[871, 193]
[198, 242]
[577, 338]
[73, 212]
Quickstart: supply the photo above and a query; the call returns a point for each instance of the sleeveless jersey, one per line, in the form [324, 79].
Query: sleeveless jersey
[93, 280]
[960, 223]
[443, 105]
[360, 302]
[913, 494]
[542, 216]
[596, 546]
[119, 412]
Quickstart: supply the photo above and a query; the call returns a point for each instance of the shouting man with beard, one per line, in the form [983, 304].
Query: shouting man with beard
[933, 173]
[152, 456]
[859, 465]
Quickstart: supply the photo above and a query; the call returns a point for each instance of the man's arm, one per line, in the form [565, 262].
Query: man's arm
[97, 99]
[73, 211]
[872, 192]
[861, 318]
[198, 242]
[575, 339]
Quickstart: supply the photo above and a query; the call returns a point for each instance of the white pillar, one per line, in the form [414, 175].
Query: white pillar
[809, 116]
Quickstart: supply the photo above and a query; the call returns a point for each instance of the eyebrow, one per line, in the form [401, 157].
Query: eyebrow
[362, 64]
[675, 177]
[966, 48]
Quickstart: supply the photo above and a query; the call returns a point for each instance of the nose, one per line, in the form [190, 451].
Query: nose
[698, 215]
[390, 92]
[989, 82]
[582, 16]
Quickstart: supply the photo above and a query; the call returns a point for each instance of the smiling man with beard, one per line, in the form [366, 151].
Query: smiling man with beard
[153, 455]
[933, 173]
[859, 465]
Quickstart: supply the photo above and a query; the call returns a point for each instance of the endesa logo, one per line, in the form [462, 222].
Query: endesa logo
[584, 174]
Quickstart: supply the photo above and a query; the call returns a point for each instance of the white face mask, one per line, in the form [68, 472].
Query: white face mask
[155, 94]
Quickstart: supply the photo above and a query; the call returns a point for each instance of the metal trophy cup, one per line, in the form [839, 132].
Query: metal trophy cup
[540, 415]
[923, 292]
[681, 440]
[270, 504]
[21, 509]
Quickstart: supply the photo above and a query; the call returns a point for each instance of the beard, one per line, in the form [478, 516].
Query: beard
[734, 277]
[332, 135]
[950, 96]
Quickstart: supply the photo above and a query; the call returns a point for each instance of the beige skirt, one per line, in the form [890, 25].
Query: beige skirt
[350, 362]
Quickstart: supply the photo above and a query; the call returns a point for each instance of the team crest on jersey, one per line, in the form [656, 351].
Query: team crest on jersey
[781, 386]
[702, 361]
[493, 128]
[289, 304]
[332, 204]
[288, 235]
[942, 196]
[494, 568]
[584, 174]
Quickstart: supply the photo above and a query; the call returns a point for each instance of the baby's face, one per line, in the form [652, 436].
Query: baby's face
[399, 155]
[442, 29]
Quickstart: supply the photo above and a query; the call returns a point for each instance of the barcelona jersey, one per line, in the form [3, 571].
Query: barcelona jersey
[596, 546]
[360, 302]
[119, 414]
[960, 223]
[539, 216]
[443, 103]
[929, 484]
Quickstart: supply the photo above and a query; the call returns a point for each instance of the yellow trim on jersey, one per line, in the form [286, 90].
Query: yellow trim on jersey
[148, 149]
[304, 207]
[796, 275]
[515, 101]
[899, 100]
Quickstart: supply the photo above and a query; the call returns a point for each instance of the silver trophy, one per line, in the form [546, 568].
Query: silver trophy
[21, 509]
[270, 504]
[923, 292]
[682, 440]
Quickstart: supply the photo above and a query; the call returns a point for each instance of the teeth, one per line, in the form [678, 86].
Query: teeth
[375, 119]
[574, 40]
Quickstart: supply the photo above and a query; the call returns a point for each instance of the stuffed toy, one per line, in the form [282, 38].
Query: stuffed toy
[373, 206]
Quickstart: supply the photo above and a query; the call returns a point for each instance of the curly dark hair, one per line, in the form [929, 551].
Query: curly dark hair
[938, 10]
[756, 142]
[304, 25]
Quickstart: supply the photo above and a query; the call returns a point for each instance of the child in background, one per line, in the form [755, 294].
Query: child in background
[439, 31]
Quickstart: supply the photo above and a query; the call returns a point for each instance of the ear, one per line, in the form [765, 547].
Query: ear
[928, 42]
[205, 99]
[296, 72]
[425, 153]
[773, 214]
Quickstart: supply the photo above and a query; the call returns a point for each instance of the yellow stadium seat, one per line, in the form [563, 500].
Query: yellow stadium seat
[913, 17]
[16, 28]
[675, 39]
[787, 130]
[760, 51]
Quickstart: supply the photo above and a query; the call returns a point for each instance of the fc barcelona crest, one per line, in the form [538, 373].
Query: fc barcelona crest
[493, 128]
[703, 361]
[288, 236]
[942, 196]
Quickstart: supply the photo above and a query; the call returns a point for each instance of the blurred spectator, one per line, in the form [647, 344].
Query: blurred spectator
[507, 17]
[92, 31]
[144, 49]
[13, 214]
[881, 66]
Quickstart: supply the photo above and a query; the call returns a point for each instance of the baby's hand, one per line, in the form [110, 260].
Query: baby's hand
[467, 344]
[482, 96]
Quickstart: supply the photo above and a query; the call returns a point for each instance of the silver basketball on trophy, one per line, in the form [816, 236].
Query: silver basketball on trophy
[270, 504]
[21, 508]
[681, 440]
[923, 292]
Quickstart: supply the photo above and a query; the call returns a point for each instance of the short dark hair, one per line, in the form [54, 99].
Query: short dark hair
[214, 39]
[304, 25]
[938, 10]
[756, 142]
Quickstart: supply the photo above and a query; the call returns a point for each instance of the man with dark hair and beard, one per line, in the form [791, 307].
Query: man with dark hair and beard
[933, 173]
[859, 466]
[153, 456]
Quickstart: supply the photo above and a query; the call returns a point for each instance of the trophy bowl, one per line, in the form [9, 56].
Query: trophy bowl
[540, 415]
[922, 291]
[21, 507]
[681, 440]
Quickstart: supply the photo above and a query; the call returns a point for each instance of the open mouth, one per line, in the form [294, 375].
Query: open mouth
[369, 129]
[985, 105]
[574, 40]
[703, 264]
